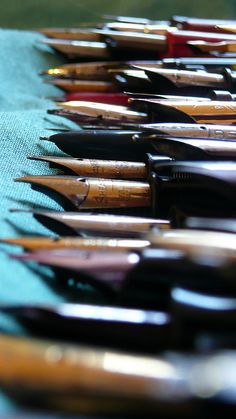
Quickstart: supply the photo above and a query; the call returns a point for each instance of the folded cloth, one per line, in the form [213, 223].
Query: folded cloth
[23, 119]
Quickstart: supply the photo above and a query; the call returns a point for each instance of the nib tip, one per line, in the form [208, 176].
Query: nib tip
[44, 139]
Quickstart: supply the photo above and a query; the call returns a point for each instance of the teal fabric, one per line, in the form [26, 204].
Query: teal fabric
[23, 119]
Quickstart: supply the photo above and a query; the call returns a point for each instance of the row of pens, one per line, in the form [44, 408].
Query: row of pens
[149, 193]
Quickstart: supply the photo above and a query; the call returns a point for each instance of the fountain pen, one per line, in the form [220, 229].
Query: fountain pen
[145, 276]
[90, 225]
[106, 169]
[202, 187]
[137, 329]
[86, 380]
[99, 70]
[93, 193]
[169, 81]
[208, 112]
[121, 144]
[102, 143]
[94, 243]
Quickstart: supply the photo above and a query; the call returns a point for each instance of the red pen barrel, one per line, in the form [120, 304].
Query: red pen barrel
[201, 25]
[109, 98]
[177, 42]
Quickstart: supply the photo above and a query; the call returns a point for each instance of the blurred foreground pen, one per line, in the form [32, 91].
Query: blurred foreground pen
[105, 381]
[191, 241]
[151, 270]
[90, 225]
[137, 329]
[93, 243]
[108, 326]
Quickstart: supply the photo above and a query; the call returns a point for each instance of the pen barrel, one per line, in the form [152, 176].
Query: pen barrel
[104, 193]
[224, 95]
[177, 42]
[230, 79]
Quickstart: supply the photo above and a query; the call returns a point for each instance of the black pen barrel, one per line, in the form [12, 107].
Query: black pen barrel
[104, 144]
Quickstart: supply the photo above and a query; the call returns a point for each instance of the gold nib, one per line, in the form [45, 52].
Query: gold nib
[96, 193]
[85, 71]
[107, 169]
[103, 110]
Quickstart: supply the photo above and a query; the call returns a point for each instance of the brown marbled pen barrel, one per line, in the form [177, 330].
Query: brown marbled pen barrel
[107, 169]
[94, 380]
[86, 193]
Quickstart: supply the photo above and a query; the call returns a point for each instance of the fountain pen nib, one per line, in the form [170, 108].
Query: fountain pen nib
[91, 225]
[77, 34]
[109, 169]
[102, 110]
[93, 243]
[106, 266]
[57, 72]
[78, 48]
[86, 193]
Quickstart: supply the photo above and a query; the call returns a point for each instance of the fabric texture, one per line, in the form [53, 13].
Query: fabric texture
[23, 119]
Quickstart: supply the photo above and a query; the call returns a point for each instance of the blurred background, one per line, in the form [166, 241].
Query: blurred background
[37, 13]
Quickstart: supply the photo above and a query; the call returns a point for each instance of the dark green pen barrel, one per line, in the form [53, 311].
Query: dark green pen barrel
[103, 144]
